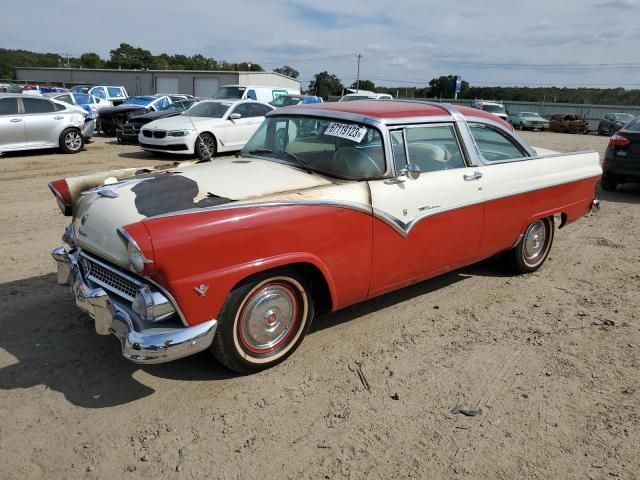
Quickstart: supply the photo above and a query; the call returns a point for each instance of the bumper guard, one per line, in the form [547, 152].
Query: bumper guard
[146, 346]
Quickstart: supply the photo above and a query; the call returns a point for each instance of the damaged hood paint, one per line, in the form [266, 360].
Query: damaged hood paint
[102, 210]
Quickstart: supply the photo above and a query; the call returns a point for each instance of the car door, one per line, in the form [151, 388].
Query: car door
[431, 224]
[42, 123]
[12, 131]
[506, 175]
[239, 130]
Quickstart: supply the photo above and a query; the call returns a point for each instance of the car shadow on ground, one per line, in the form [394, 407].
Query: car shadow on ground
[48, 341]
[626, 193]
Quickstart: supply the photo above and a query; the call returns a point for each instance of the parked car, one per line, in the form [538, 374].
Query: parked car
[529, 120]
[288, 100]
[495, 108]
[29, 122]
[112, 119]
[365, 95]
[131, 129]
[209, 127]
[85, 101]
[568, 124]
[611, 123]
[240, 254]
[114, 94]
[622, 157]
[252, 92]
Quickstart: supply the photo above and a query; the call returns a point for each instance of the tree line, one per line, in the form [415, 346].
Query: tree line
[324, 84]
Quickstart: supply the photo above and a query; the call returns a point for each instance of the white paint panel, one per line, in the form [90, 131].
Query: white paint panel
[167, 85]
[205, 86]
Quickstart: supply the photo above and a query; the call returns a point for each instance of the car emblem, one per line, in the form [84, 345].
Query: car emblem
[201, 290]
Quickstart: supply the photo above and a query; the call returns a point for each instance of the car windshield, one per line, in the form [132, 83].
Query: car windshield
[285, 100]
[82, 98]
[229, 92]
[634, 125]
[209, 109]
[80, 89]
[623, 117]
[493, 108]
[142, 101]
[115, 92]
[530, 115]
[336, 148]
[180, 106]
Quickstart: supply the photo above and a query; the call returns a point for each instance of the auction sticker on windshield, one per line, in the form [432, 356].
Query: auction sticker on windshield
[351, 132]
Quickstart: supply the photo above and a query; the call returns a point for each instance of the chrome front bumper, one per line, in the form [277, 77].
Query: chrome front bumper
[140, 345]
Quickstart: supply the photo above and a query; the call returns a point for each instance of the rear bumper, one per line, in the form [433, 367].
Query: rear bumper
[140, 345]
[87, 128]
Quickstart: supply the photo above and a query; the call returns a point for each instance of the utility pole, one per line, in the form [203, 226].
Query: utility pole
[358, 76]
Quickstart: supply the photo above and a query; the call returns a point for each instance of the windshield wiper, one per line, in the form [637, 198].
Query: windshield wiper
[260, 150]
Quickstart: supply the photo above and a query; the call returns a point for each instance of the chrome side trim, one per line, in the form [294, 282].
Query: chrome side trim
[360, 207]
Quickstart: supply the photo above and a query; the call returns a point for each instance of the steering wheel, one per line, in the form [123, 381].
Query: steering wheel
[356, 161]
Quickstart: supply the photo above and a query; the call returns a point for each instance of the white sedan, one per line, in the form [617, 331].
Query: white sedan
[209, 127]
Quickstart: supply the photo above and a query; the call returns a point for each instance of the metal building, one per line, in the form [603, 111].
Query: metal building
[147, 82]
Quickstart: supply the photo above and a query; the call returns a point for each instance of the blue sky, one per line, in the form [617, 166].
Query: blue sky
[403, 43]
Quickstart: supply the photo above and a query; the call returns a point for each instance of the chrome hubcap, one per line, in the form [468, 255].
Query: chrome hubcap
[268, 317]
[534, 241]
[72, 140]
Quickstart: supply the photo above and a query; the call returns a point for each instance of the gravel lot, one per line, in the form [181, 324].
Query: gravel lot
[551, 359]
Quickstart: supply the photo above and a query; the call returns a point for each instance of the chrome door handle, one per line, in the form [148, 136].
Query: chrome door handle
[15, 120]
[59, 117]
[475, 176]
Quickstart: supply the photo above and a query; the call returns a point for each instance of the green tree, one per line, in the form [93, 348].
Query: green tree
[325, 84]
[91, 60]
[364, 85]
[127, 56]
[443, 87]
[288, 71]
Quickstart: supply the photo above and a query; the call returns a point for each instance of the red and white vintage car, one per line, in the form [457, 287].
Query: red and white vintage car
[327, 205]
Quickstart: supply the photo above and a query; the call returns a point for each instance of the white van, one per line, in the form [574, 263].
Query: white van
[259, 93]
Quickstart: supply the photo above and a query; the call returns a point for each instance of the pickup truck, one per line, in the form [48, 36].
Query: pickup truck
[326, 206]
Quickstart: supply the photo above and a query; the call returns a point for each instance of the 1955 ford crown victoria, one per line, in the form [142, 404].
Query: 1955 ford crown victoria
[327, 205]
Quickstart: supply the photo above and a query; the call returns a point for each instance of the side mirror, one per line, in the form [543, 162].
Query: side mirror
[412, 171]
[235, 116]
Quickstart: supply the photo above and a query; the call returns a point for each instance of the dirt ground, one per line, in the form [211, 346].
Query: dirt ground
[552, 359]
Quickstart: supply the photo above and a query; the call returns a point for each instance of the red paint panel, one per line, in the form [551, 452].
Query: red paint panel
[60, 189]
[506, 218]
[221, 248]
[434, 245]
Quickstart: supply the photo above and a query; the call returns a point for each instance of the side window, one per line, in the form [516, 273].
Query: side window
[8, 106]
[65, 99]
[258, 110]
[98, 92]
[434, 148]
[58, 107]
[244, 109]
[115, 92]
[252, 95]
[37, 105]
[399, 153]
[495, 146]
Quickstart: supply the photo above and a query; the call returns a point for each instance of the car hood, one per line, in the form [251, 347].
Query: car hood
[104, 209]
[151, 116]
[121, 109]
[178, 122]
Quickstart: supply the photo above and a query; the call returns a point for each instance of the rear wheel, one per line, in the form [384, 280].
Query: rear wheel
[608, 184]
[263, 321]
[71, 140]
[206, 147]
[531, 252]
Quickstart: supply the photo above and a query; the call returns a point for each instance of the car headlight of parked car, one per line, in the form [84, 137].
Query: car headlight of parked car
[152, 306]
[179, 133]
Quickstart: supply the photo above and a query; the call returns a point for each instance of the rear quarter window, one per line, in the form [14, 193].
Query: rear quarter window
[8, 106]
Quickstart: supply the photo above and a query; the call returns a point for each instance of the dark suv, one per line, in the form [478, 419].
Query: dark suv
[612, 122]
[622, 158]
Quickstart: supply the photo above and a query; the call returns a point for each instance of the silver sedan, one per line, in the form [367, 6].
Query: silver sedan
[29, 122]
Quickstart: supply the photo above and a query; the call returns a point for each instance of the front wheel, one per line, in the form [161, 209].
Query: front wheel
[71, 140]
[205, 147]
[263, 321]
[533, 249]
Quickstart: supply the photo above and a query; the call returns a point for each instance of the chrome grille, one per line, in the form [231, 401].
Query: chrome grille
[110, 278]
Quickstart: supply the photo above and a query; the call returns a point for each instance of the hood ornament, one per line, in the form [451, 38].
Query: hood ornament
[107, 192]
